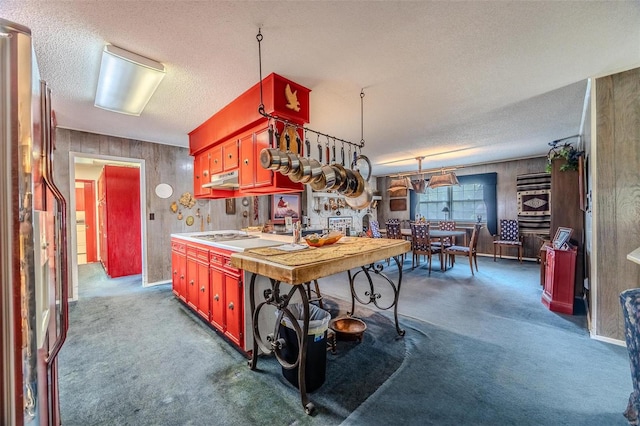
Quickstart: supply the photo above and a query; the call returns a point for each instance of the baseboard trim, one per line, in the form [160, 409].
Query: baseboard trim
[608, 340]
[530, 259]
[157, 283]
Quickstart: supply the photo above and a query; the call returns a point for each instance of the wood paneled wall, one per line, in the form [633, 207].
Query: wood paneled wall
[616, 220]
[506, 199]
[163, 164]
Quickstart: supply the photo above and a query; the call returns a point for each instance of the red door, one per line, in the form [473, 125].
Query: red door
[233, 307]
[86, 202]
[216, 278]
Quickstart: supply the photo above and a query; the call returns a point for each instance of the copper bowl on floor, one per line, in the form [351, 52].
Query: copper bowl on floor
[348, 328]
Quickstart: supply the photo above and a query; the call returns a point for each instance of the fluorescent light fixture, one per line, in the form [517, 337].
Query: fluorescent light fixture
[127, 81]
[445, 179]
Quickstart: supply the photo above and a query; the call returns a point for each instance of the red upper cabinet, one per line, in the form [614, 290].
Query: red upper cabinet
[119, 220]
[239, 132]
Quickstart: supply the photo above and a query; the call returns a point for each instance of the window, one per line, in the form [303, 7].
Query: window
[464, 203]
[475, 196]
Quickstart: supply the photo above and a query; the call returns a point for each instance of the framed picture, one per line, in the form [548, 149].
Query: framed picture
[285, 205]
[230, 206]
[339, 223]
[562, 236]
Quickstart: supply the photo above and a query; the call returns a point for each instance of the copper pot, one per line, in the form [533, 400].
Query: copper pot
[271, 158]
[303, 172]
[341, 178]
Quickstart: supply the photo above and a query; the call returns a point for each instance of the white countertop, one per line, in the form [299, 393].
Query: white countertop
[264, 240]
[634, 256]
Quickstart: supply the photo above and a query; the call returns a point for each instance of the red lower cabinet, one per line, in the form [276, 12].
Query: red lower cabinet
[179, 270]
[559, 280]
[216, 278]
[202, 277]
[234, 301]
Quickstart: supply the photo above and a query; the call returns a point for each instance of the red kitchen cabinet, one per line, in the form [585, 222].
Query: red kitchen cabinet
[179, 270]
[216, 319]
[234, 309]
[559, 280]
[119, 220]
[230, 155]
[252, 174]
[198, 279]
[201, 174]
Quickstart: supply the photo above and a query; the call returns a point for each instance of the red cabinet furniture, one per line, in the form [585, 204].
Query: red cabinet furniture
[119, 220]
[559, 279]
[205, 281]
[231, 140]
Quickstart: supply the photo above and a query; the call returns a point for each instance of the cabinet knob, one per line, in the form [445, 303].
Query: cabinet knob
[175, 272]
[206, 173]
[202, 289]
[181, 276]
[216, 297]
[231, 306]
[246, 161]
[191, 282]
[230, 156]
[197, 177]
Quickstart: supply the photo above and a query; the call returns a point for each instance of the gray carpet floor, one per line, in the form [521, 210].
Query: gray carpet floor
[478, 350]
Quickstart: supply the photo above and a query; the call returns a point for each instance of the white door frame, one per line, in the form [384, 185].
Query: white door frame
[72, 216]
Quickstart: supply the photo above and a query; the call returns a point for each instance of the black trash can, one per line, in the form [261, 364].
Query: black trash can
[316, 365]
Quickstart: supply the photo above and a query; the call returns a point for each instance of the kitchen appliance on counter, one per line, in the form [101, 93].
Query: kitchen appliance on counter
[33, 256]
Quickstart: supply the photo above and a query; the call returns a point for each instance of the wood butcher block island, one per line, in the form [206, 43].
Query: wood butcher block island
[294, 269]
[306, 265]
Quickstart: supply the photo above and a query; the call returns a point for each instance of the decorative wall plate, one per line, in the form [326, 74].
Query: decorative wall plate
[174, 207]
[189, 220]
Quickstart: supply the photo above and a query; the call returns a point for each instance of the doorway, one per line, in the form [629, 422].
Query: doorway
[86, 229]
[84, 171]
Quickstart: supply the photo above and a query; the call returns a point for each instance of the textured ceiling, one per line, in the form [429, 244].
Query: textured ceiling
[457, 82]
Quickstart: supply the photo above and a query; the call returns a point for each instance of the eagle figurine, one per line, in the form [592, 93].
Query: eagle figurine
[292, 99]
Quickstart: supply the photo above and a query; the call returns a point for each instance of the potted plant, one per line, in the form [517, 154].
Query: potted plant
[567, 152]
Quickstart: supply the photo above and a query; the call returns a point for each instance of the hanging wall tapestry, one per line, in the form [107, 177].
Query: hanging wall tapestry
[534, 207]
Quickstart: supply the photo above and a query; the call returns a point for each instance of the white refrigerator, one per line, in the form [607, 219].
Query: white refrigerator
[33, 255]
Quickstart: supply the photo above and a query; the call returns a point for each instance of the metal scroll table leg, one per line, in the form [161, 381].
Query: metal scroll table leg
[372, 295]
[275, 343]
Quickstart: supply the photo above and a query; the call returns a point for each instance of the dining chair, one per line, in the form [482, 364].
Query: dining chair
[394, 233]
[374, 230]
[509, 237]
[469, 251]
[421, 245]
[445, 242]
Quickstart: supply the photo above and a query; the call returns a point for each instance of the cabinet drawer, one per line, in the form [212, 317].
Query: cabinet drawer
[179, 247]
[230, 155]
[228, 268]
[202, 255]
[216, 259]
[192, 252]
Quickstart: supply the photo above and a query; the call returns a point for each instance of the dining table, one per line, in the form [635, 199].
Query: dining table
[438, 233]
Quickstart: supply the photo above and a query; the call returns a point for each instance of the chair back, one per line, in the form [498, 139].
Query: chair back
[509, 230]
[474, 238]
[393, 230]
[375, 229]
[420, 237]
[447, 226]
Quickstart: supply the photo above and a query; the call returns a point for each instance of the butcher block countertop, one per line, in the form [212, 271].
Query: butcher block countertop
[298, 267]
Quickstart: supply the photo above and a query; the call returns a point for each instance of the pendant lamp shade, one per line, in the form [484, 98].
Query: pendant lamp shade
[127, 81]
[445, 179]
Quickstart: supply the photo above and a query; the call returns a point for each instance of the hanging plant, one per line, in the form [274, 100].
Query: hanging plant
[567, 152]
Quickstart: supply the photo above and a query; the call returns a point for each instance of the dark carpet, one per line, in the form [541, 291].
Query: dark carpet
[137, 356]
[479, 350]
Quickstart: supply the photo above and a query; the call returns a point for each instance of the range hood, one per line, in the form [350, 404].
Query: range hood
[227, 181]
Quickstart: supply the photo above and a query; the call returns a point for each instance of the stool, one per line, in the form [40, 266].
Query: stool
[630, 301]
[318, 296]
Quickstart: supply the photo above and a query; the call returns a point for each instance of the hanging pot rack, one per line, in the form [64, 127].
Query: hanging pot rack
[261, 110]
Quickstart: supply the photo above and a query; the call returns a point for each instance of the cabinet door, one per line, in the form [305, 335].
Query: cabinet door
[201, 174]
[216, 279]
[178, 266]
[234, 311]
[247, 162]
[203, 290]
[215, 160]
[263, 177]
[192, 287]
[230, 155]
